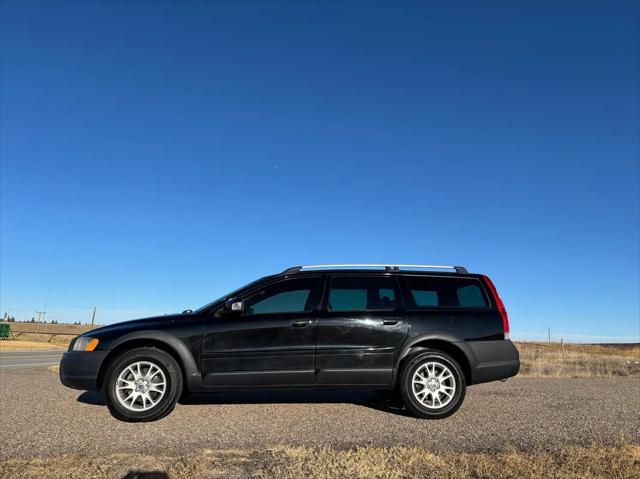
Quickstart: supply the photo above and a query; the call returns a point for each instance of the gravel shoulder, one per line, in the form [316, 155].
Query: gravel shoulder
[45, 418]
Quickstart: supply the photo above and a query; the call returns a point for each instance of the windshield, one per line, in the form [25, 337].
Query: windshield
[228, 295]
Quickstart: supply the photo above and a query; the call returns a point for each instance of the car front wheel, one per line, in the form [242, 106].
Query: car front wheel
[143, 384]
[432, 385]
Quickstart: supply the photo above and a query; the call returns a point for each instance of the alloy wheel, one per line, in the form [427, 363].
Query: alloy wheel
[140, 386]
[433, 385]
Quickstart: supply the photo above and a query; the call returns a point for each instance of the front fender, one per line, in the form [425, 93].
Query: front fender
[189, 364]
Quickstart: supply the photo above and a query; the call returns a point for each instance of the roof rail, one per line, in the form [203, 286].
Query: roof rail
[388, 267]
[292, 270]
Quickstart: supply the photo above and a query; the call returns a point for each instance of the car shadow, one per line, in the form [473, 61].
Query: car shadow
[363, 398]
[146, 475]
[94, 398]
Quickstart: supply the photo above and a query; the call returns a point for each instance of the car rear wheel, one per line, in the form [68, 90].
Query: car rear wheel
[432, 385]
[143, 384]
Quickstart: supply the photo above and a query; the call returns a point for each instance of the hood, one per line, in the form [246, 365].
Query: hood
[143, 323]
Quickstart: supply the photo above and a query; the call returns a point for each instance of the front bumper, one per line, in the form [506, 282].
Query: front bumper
[80, 369]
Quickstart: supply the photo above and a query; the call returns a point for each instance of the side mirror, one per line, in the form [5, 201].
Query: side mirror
[234, 306]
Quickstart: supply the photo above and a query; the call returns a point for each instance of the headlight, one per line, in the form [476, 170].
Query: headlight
[84, 343]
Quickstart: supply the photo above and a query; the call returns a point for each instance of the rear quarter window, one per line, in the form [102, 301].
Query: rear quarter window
[445, 292]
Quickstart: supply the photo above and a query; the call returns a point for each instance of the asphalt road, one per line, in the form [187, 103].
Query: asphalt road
[29, 359]
[42, 417]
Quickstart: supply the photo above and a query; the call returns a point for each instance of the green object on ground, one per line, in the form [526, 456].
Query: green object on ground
[5, 331]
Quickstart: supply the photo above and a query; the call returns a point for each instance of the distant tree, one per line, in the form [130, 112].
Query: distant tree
[33, 320]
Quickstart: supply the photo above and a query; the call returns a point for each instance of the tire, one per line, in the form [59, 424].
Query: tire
[138, 373]
[429, 397]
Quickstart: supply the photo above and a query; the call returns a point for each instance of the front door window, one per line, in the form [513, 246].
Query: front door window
[288, 296]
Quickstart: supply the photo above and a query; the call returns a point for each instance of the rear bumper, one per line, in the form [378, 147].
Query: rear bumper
[495, 360]
[79, 369]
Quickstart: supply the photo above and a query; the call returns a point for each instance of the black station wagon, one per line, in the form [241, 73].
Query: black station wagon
[415, 332]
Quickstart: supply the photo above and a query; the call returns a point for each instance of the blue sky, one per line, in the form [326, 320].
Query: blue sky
[156, 155]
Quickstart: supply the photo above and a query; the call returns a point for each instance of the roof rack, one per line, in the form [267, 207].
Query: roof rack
[387, 267]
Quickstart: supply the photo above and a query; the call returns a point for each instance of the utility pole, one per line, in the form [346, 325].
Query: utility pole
[42, 313]
[93, 317]
[549, 331]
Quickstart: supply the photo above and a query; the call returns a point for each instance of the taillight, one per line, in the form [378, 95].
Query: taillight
[500, 305]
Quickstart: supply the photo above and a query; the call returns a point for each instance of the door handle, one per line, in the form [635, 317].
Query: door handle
[300, 323]
[390, 322]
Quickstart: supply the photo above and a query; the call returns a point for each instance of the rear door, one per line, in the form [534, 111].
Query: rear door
[271, 343]
[360, 330]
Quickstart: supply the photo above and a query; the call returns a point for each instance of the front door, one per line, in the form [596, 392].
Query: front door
[360, 330]
[272, 342]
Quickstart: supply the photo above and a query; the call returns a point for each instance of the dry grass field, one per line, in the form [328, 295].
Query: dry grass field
[401, 462]
[52, 334]
[329, 463]
[579, 360]
[20, 345]
[48, 329]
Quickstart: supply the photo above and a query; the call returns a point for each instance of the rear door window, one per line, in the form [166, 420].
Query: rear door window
[445, 292]
[361, 293]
